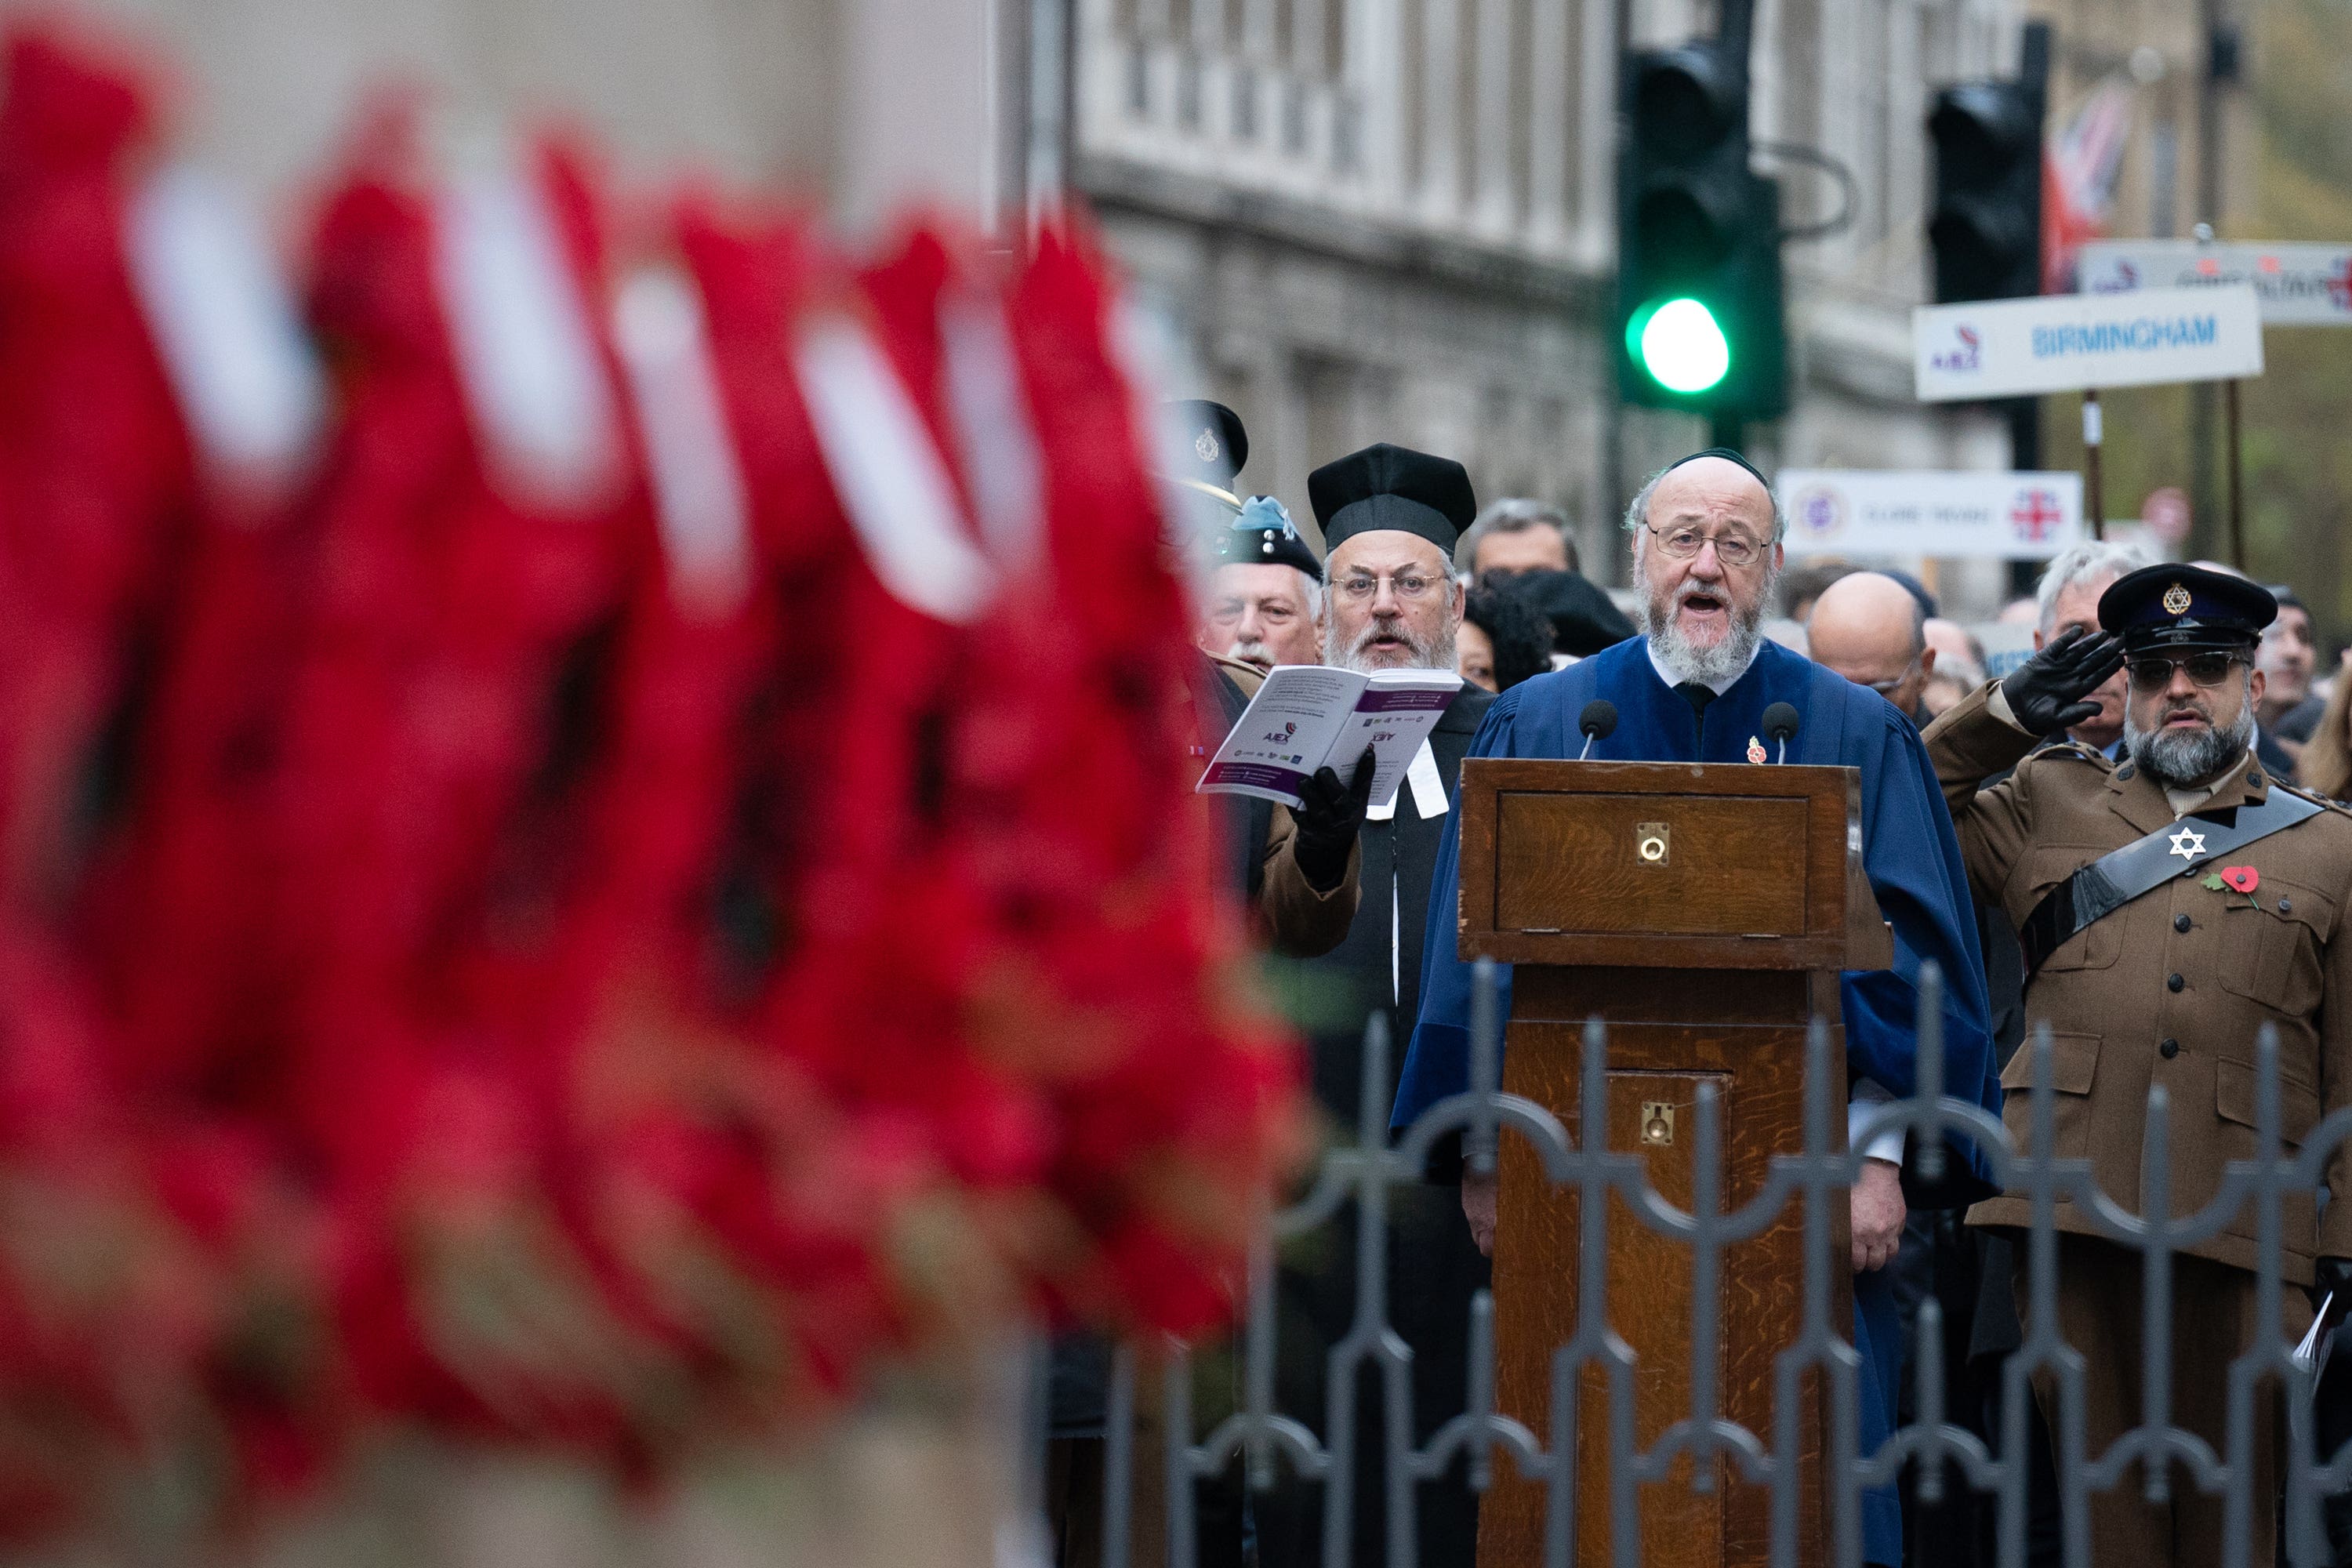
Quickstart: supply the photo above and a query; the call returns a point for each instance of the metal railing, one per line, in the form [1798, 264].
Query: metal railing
[1945, 1457]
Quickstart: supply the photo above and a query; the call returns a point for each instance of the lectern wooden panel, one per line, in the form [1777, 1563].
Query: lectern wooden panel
[1705, 911]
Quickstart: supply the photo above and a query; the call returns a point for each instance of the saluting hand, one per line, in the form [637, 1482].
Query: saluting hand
[2047, 692]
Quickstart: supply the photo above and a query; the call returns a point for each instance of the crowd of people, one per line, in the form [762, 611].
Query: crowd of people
[2161, 704]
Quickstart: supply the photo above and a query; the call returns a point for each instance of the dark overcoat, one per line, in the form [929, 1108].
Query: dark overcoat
[1433, 1268]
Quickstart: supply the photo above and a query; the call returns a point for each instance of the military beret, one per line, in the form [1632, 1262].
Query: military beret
[1210, 448]
[1263, 535]
[1392, 487]
[2168, 606]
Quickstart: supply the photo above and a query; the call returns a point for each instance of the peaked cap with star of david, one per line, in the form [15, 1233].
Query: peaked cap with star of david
[2186, 608]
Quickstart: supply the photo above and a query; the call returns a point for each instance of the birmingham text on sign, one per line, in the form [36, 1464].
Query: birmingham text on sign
[2299, 284]
[2068, 342]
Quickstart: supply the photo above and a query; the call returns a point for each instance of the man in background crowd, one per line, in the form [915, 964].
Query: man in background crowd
[1391, 518]
[1295, 870]
[1803, 584]
[1954, 644]
[2287, 658]
[1869, 628]
[1515, 535]
[1959, 666]
[1525, 544]
[1265, 593]
[1505, 638]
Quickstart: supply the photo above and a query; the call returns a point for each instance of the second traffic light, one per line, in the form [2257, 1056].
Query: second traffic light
[1985, 230]
[1698, 271]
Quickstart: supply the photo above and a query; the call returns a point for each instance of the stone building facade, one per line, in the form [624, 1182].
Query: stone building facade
[1394, 218]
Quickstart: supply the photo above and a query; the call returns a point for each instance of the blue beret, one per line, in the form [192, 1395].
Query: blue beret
[1263, 535]
[2185, 607]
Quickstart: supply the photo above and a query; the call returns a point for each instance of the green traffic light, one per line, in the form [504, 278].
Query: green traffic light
[1680, 345]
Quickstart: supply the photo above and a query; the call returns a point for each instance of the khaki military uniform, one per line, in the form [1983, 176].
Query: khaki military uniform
[2171, 989]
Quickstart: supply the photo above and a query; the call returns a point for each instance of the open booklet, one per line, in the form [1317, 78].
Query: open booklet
[1310, 716]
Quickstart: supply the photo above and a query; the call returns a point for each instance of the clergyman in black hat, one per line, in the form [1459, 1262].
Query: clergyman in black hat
[1390, 519]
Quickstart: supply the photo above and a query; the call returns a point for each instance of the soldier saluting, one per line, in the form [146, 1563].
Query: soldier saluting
[2170, 904]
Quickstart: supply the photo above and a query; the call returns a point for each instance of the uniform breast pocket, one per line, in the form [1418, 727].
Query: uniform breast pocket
[2073, 1071]
[2038, 875]
[2274, 947]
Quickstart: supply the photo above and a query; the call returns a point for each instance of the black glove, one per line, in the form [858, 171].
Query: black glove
[2046, 691]
[2332, 1274]
[1328, 815]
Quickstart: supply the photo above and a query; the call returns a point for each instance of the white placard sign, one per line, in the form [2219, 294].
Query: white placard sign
[1968, 514]
[2066, 342]
[2300, 285]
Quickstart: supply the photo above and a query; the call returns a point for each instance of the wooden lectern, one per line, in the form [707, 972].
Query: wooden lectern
[1705, 913]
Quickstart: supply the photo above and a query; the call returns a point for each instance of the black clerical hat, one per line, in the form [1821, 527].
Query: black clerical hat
[1386, 487]
[2184, 608]
[1210, 448]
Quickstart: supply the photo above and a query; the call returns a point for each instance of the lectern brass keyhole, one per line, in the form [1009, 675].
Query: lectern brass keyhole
[1658, 1121]
[1653, 842]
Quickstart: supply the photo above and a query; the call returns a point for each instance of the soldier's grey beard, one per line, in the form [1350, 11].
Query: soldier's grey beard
[1683, 660]
[1433, 653]
[2184, 761]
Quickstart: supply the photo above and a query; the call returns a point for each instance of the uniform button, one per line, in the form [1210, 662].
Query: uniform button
[2125, 772]
[2286, 906]
[2175, 983]
[2255, 779]
[2180, 922]
[2170, 1049]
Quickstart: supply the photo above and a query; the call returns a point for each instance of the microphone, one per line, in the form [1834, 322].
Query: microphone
[1599, 721]
[1780, 723]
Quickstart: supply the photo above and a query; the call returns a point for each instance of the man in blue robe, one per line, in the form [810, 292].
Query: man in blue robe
[1706, 540]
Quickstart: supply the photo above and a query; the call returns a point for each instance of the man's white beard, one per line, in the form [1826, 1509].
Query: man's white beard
[1434, 654]
[2184, 761]
[1685, 660]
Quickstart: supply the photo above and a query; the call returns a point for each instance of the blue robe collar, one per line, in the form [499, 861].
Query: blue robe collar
[1656, 723]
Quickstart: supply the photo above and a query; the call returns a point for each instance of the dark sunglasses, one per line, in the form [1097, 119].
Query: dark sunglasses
[2154, 674]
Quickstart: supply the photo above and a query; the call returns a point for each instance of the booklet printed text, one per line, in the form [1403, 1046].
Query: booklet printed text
[1310, 716]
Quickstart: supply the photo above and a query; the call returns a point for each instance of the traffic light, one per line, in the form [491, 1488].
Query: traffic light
[1985, 229]
[1698, 272]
